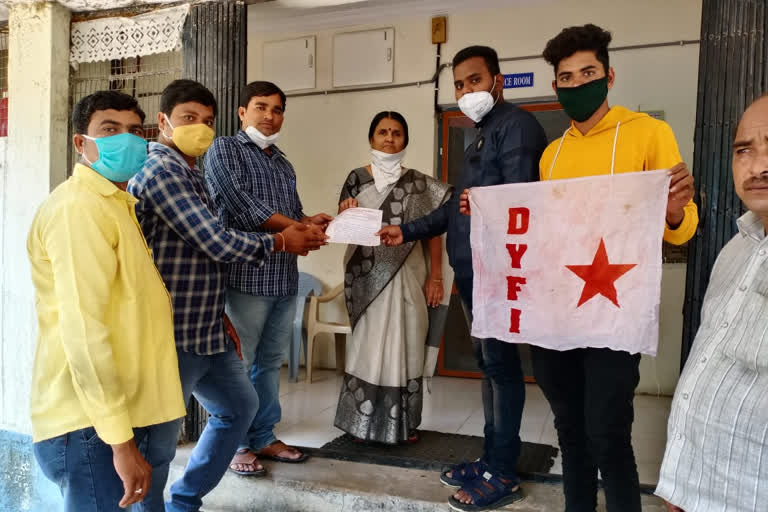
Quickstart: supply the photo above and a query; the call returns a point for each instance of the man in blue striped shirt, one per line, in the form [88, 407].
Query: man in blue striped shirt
[191, 249]
[254, 188]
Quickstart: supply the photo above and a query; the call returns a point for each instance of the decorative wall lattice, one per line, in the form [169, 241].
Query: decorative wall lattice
[116, 38]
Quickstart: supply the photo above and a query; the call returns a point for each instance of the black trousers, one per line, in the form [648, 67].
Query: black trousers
[591, 393]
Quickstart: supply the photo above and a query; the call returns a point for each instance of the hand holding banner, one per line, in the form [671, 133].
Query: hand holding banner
[573, 263]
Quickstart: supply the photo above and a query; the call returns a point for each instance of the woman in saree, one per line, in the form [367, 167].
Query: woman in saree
[388, 291]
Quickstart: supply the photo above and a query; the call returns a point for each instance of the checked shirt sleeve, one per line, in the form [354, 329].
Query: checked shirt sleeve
[226, 177]
[174, 200]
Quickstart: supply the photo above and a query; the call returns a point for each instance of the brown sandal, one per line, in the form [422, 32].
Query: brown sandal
[270, 452]
[245, 457]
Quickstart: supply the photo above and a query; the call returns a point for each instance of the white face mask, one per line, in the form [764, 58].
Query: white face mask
[476, 105]
[386, 168]
[261, 140]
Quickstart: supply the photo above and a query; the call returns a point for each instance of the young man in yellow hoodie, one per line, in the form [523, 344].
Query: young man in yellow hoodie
[591, 390]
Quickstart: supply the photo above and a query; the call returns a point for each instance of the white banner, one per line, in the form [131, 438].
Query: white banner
[566, 264]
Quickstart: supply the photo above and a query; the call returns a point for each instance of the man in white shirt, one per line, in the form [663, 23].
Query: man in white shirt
[717, 455]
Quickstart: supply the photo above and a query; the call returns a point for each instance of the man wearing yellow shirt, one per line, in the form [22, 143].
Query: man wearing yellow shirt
[105, 370]
[591, 390]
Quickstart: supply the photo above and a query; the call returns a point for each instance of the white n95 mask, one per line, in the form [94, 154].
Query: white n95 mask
[476, 105]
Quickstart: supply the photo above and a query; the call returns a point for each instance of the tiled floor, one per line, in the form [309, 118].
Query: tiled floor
[455, 406]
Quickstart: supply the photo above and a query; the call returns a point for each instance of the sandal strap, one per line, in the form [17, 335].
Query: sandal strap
[276, 447]
[475, 492]
[458, 468]
[253, 460]
[486, 489]
[468, 470]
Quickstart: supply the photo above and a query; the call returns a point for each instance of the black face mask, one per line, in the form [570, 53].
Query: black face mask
[583, 101]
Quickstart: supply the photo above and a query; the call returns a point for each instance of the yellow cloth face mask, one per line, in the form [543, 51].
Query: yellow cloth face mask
[192, 139]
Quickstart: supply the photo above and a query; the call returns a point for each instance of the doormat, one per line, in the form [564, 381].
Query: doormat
[433, 452]
[436, 450]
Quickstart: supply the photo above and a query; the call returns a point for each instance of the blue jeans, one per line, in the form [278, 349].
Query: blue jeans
[219, 383]
[81, 464]
[264, 325]
[503, 392]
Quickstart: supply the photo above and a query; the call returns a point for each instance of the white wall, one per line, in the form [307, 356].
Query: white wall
[326, 136]
[33, 163]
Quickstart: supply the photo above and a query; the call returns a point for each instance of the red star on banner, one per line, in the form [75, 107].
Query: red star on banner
[599, 277]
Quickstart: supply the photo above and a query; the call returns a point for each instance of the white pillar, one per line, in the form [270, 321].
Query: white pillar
[36, 162]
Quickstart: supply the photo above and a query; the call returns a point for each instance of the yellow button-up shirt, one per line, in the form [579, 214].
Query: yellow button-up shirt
[105, 354]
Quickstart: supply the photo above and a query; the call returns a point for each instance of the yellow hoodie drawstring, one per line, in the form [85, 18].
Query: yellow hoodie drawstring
[615, 138]
[562, 139]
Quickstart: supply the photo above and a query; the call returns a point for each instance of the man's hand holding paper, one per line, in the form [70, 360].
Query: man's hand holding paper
[357, 226]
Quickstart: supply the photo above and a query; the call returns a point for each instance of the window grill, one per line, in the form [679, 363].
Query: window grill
[144, 78]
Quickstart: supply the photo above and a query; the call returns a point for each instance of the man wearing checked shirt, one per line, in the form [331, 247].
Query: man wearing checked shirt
[191, 250]
[254, 188]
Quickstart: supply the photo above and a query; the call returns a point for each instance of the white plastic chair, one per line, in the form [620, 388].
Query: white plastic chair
[315, 326]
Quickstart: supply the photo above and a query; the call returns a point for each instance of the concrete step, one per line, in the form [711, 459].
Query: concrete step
[325, 485]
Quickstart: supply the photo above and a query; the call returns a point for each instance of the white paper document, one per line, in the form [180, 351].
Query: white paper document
[356, 226]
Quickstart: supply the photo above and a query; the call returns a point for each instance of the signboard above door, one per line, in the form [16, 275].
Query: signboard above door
[517, 80]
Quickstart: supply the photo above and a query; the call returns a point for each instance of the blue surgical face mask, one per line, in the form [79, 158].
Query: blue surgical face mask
[120, 156]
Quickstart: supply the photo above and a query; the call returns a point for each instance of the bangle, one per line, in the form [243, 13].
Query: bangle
[282, 248]
[438, 280]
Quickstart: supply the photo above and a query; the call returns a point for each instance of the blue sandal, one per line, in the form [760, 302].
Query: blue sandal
[488, 492]
[463, 473]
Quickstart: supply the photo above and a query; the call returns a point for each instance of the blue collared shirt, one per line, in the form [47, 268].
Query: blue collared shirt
[191, 247]
[248, 186]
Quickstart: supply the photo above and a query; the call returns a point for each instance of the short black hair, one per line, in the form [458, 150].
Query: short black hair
[487, 53]
[260, 88]
[184, 91]
[102, 100]
[397, 116]
[576, 39]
